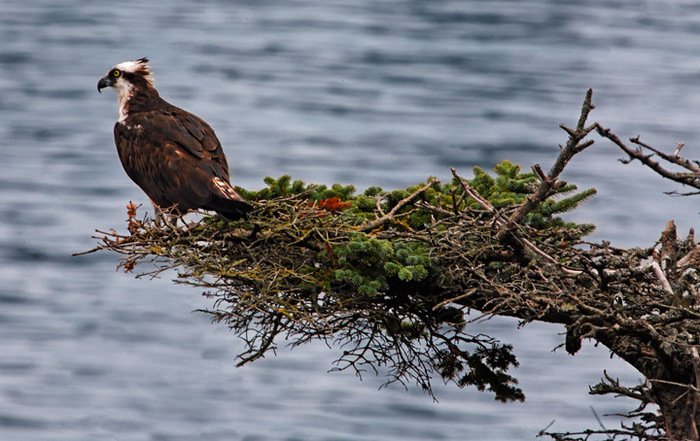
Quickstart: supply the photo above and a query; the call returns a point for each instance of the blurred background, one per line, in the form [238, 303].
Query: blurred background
[357, 92]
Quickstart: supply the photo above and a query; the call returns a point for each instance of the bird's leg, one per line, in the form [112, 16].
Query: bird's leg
[163, 217]
[181, 217]
[168, 216]
[157, 214]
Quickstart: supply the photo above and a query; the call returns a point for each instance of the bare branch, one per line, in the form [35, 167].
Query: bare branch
[691, 178]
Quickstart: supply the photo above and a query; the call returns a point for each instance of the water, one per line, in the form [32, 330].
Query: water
[362, 92]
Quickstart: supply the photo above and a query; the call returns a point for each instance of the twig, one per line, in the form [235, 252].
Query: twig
[595, 414]
[691, 179]
[674, 383]
[674, 158]
[550, 183]
[472, 193]
[94, 250]
[454, 299]
[544, 431]
[402, 203]
[659, 273]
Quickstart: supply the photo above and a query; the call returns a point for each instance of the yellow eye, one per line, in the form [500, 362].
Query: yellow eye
[116, 73]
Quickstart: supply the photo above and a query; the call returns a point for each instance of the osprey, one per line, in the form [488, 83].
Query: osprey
[173, 155]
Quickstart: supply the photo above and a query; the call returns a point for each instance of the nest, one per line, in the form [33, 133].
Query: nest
[388, 276]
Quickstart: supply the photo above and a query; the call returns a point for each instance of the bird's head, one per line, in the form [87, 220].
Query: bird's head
[126, 76]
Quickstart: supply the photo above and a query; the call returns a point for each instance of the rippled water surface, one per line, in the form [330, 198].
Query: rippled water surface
[358, 92]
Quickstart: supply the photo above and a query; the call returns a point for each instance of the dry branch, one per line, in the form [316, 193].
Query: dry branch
[690, 178]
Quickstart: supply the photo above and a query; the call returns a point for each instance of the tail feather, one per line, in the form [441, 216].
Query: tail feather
[233, 210]
[227, 202]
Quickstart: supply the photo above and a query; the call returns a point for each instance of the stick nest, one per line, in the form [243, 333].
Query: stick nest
[388, 276]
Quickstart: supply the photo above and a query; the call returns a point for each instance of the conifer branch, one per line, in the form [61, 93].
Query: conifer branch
[549, 184]
[388, 276]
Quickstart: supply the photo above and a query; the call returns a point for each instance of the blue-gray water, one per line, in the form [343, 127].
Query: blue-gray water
[355, 91]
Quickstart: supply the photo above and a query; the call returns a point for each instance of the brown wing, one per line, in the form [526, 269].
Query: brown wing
[177, 160]
[188, 131]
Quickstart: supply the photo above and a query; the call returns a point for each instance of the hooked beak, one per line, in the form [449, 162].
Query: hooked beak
[104, 82]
